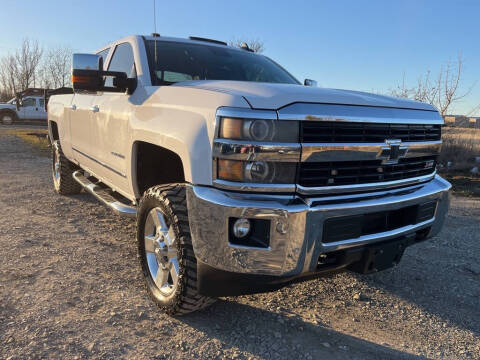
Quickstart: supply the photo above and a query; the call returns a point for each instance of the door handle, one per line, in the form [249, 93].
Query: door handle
[95, 108]
[73, 107]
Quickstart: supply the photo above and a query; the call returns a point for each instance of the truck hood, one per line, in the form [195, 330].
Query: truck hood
[275, 96]
[8, 106]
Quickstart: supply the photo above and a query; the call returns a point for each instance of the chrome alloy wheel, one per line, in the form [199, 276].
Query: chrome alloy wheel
[161, 252]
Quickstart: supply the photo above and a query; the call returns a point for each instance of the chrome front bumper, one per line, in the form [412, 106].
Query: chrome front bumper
[296, 229]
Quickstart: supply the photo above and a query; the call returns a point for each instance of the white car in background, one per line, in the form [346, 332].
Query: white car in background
[31, 108]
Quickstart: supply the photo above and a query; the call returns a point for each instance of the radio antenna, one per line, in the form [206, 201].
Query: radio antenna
[155, 30]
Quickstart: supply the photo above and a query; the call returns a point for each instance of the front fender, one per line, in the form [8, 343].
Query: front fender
[181, 120]
[188, 138]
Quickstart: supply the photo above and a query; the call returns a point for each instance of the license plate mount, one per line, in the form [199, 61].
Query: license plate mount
[379, 257]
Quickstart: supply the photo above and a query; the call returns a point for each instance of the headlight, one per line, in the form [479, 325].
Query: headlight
[256, 171]
[259, 130]
[254, 151]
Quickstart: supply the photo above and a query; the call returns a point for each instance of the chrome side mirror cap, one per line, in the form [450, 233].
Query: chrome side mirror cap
[310, 82]
[87, 62]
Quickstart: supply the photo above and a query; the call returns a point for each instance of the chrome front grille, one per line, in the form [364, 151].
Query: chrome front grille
[336, 173]
[345, 132]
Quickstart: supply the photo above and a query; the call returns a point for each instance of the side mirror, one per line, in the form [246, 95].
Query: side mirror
[87, 72]
[18, 102]
[88, 75]
[310, 82]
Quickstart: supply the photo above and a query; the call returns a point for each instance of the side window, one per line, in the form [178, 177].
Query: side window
[123, 61]
[29, 102]
[104, 54]
[42, 102]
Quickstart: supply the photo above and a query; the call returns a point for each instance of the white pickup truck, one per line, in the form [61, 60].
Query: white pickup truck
[242, 179]
[31, 108]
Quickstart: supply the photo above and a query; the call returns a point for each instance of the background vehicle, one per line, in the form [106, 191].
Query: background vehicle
[31, 106]
[241, 179]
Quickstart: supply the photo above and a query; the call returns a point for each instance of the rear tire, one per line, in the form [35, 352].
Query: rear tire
[165, 249]
[62, 170]
[8, 118]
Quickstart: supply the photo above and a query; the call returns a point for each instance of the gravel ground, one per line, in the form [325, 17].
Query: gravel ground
[71, 288]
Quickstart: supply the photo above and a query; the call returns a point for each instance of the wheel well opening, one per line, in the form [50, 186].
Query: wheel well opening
[8, 111]
[155, 166]
[54, 129]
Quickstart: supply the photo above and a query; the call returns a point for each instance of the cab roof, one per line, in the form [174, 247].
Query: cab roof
[191, 39]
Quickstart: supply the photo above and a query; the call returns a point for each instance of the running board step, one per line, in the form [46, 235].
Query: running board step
[104, 194]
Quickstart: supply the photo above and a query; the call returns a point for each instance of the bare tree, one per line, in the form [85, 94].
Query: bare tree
[255, 45]
[55, 70]
[28, 59]
[4, 97]
[9, 75]
[18, 71]
[44, 80]
[441, 91]
[402, 91]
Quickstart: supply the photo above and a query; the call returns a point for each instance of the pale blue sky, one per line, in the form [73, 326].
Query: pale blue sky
[361, 45]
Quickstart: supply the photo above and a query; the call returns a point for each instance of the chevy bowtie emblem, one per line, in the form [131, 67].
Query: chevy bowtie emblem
[392, 151]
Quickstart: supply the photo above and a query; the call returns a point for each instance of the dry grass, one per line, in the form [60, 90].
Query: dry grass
[464, 185]
[460, 147]
[35, 137]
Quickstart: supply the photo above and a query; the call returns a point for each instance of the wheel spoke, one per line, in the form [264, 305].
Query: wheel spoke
[149, 244]
[174, 270]
[172, 253]
[162, 277]
[159, 220]
[170, 237]
[155, 219]
[152, 264]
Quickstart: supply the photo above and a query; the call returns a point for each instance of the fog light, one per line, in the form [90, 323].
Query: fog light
[241, 228]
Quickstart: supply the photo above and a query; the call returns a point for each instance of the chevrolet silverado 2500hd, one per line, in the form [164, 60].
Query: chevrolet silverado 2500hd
[241, 179]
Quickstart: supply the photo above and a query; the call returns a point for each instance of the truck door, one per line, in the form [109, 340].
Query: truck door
[110, 131]
[28, 109]
[42, 114]
[81, 118]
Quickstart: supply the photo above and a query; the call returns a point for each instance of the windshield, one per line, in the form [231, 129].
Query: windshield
[178, 61]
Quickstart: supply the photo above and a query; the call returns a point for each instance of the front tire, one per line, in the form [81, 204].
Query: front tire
[62, 171]
[165, 249]
[8, 118]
